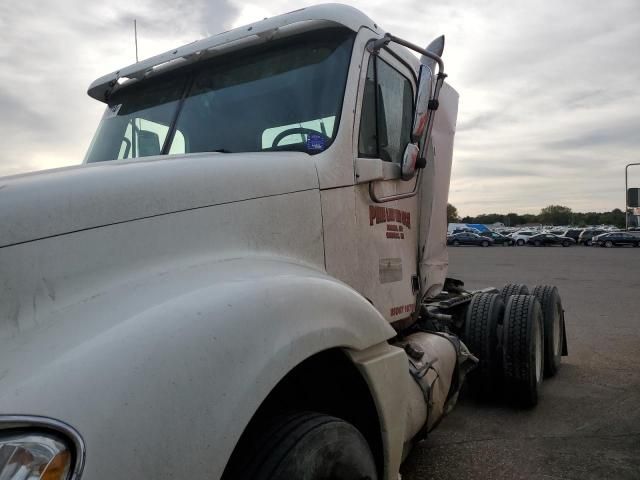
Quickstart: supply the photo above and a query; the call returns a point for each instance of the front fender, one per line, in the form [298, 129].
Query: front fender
[162, 378]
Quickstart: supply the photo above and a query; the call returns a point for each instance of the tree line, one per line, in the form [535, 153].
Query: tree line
[551, 215]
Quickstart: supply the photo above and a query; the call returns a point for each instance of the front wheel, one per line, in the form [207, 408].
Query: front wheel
[305, 445]
[485, 244]
[537, 243]
[608, 244]
[456, 243]
[588, 243]
[520, 242]
[565, 244]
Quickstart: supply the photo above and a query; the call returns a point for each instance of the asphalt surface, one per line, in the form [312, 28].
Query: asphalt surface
[587, 423]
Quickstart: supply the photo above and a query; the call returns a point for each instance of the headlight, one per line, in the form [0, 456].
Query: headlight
[34, 448]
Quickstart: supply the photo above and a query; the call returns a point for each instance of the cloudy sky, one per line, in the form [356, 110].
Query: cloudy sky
[549, 89]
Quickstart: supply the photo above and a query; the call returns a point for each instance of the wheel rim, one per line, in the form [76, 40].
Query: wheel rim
[608, 244]
[538, 350]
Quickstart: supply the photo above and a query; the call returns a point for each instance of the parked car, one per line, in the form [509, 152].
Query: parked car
[522, 236]
[618, 239]
[586, 236]
[572, 233]
[467, 238]
[544, 239]
[498, 238]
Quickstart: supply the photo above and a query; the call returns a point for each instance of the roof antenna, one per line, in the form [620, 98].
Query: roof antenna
[135, 37]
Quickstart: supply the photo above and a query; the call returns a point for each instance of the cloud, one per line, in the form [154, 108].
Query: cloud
[53, 50]
[548, 90]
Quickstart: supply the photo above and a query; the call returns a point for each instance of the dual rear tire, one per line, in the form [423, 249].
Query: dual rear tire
[518, 339]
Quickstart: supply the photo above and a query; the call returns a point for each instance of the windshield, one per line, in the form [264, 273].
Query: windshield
[284, 97]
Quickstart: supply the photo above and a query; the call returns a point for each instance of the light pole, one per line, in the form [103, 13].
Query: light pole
[626, 194]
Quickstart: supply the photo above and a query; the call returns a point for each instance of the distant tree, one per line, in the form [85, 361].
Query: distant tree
[512, 219]
[452, 214]
[529, 218]
[555, 215]
[489, 218]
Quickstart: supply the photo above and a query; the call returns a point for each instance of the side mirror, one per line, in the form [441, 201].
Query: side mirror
[148, 143]
[421, 117]
[410, 160]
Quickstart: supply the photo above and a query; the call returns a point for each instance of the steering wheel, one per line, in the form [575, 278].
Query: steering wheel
[293, 131]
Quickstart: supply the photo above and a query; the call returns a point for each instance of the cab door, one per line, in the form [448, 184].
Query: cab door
[387, 225]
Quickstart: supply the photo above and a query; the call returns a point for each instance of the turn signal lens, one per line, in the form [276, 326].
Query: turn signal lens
[28, 456]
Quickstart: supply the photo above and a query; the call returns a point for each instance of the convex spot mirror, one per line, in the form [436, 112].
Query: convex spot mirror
[410, 160]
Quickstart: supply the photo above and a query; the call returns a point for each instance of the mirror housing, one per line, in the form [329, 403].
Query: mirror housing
[410, 161]
[421, 117]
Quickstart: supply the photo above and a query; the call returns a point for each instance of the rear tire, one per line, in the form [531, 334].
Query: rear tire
[520, 242]
[554, 327]
[514, 289]
[523, 348]
[484, 313]
[305, 445]
[485, 244]
[565, 244]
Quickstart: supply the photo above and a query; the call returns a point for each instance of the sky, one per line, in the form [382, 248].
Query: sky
[549, 90]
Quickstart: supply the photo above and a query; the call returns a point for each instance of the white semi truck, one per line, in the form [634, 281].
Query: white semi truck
[247, 277]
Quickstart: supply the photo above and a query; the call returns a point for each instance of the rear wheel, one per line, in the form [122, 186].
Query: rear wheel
[523, 348]
[520, 242]
[588, 243]
[484, 313]
[485, 243]
[554, 328]
[514, 289]
[565, 243]
[305, 445]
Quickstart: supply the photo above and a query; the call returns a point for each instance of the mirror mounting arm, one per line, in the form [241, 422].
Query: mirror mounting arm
[375, 46]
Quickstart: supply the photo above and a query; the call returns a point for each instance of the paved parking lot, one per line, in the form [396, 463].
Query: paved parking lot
[587, 424]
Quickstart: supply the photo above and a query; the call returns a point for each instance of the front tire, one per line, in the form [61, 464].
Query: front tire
[523, 348]
[608, 244]
[456, 243]
[306, 445]
[520, 242]
[485, 244]
[565, 244]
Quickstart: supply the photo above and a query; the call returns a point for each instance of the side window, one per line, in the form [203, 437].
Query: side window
[387, 112]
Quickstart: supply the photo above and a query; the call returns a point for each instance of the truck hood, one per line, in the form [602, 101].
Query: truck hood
[55, 202]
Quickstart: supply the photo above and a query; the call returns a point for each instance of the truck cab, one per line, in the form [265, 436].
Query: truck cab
[247, 275]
